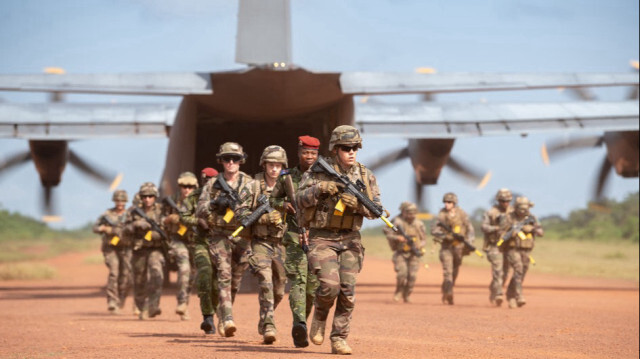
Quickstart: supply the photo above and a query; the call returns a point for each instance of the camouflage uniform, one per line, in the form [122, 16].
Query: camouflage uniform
[116, 249]
[267, 253]
[148, 260]
[518, 249]
[451, 250]
[335, 251]
[303, 282]
[230, 258]
[494, 224]
[405, 263]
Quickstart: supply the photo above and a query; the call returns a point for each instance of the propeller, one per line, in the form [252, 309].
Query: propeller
[76, 161]
[566, 146]
[15, 160]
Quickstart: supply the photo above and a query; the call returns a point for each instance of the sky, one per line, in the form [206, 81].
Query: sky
[113, 36]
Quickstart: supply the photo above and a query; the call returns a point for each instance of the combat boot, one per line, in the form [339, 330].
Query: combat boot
[499, 301]
[144, 315]
[207, 325]
[154, 312]
[397, 297]
[269, 335]
[229, 328]
[513, 303]
[521, 302]
[136, 310]
[112, 307]
[449, 299]
[181, 308]
[316, 333]
[299, 334]
[220, 327]
[340, 347]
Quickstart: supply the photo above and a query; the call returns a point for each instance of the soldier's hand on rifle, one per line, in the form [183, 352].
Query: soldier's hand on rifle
[155, 236]
[349, 200]
[401, 239]
[142, 224]
[274, 217]
[172, 219]
[107, 229]
[527, 228]
[203, 224]
[328, 187]
[289, 208]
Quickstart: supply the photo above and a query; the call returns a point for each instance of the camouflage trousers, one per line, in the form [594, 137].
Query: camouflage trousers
[406, 266]
[148, 275]
[496, 258]
[206, 278]
[120, 279]
[336, 259]
[267, 264]
[179, 253]
[451, 258]
[230, 260]
[303, 283]
[519, 260]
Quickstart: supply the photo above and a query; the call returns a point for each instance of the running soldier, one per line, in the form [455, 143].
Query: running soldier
[116, 250]
[451, 228]
[335, 247]
[523, 228]
[206, 279]
[406, 260]
[217, 201]
[303, 282]
[143, 225]
[493, 225]
[181, 240]
[267, 253]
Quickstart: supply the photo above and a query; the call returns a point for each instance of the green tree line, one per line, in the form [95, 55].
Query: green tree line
[15, 226]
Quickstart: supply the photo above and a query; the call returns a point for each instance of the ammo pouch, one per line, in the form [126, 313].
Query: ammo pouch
[524, 240]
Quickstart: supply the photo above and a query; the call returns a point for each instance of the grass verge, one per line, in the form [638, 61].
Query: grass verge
[26, 271]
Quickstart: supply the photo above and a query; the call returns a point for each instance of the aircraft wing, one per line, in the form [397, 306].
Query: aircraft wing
[386, 83]
[171, 84]
[454, 120]
[69, 121]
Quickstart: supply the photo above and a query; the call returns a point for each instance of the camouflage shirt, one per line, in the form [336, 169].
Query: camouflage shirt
[416, 229]
[145, 238]
[249, 202]
[525, 239]
[318, 209]
[117, 231]
[279, 194]
[219, 219]
[458, 222]
[494, 223]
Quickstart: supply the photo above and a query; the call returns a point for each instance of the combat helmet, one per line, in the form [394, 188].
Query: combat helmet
[148, 189]
[187, 179]
[345, 135]
[275, 154]
[408, 206]
[450, 197]
[120, 196]
[522, 205]
[231, 148]
[504, 194]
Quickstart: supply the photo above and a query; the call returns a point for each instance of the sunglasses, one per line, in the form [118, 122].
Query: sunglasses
[188, 186]
[447, 201]
[345, 148]
[229, 158]
[504, 201]
[147, 196]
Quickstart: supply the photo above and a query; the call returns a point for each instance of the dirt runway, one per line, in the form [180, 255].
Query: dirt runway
[565, 318]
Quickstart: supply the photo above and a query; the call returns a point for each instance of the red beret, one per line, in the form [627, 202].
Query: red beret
[209, 172]
[309, 142]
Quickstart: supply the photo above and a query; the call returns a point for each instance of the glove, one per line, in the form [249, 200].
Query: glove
[328, 187]
[172, 219]
[289, 208]
[274, 217]
[155, 236]
[107, 229]
[527, 228]
[203, 224]
[142, 225]
[349, 200]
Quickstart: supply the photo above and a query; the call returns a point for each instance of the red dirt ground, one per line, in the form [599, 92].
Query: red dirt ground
[565, 318]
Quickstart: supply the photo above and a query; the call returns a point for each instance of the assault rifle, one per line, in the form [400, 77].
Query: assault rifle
[411, 242]
[230, 199]
[291, 193]
[107, 221]
[171, 203]
[104, 220]
[355, 189]
[263, 208]
[516, 229]
[154, 225]
[460, 238]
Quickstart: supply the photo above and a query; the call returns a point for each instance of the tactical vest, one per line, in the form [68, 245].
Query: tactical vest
[227, 221]
[457, 223]
[117, 238]
[496, 218]
[264, 231]
[522, 240]
[145, 239]
[326, 216]
[411, 230]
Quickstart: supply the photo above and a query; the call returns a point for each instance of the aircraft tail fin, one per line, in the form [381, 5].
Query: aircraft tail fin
[264, 33]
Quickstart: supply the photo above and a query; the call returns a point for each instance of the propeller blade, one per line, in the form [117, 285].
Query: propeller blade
[46, 200]
[468, 173]
[91, 170]
[418, 193]
[560, 147]
[389, 159]
[633, 94]
[583, 93]
[603, 176]
[15, 160]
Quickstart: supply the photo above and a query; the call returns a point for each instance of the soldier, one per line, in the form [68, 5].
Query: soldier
[405, 262]
[267, 253]
[493, 225]
[303, 282]
[148, 258]
[519, 241]
[335, 246]
[450, 223]
[206, 279]
[230, 257]
[181, 238]
[116, 250]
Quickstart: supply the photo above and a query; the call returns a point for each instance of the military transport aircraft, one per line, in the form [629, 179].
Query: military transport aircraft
[273, 100]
